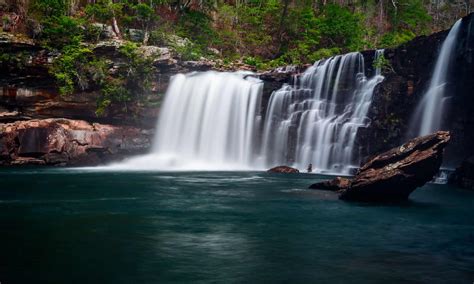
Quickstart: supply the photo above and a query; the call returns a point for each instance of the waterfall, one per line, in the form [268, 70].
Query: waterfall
[429, 112]
[212, 120]
[316, 120]
[208, 121]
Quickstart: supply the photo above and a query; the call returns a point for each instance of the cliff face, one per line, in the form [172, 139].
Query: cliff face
[396, 98]
[28, 91]
[34, 116]
[62, 142]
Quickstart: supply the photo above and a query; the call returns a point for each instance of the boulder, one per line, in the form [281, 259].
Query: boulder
[283, 170]
[464, 174]
[106, 31]
[395, 174]
[68, 142]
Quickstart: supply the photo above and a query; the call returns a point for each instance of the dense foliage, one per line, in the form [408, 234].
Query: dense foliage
[288, 31]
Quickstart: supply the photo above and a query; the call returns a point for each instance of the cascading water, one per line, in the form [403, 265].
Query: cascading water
[207, 121]
[212, 121]
[316, 120]
[428, 115]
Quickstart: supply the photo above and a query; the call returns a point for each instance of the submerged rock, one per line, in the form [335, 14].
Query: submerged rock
[283, 170]
[395, 174]
[68, 142]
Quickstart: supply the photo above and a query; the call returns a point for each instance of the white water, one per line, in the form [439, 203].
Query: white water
[429, 113]
[212, 120]
[316, 120]
[208, 121]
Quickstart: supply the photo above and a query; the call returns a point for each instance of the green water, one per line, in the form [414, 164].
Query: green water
[69, 226]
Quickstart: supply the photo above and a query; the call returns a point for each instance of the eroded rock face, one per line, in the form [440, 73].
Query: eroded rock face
[283, 170]
[395, 174]
[68, 142]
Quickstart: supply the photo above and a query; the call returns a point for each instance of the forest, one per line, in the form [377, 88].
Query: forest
[271, 32]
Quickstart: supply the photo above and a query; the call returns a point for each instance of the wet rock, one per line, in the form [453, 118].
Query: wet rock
[68, 142]
[338, 184]
[395, 174]
[284, 170]
[464, 174]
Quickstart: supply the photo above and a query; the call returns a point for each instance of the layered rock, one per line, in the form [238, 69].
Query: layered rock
[68, 142]
[395, 174]
[283, 170]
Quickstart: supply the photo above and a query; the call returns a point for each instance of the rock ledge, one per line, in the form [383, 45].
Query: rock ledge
[395, 174]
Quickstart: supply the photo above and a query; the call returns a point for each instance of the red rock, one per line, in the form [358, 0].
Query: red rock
[68, 142]
[283, 169]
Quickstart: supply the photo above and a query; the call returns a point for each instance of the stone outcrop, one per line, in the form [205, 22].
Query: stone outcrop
[283, 170]
[464, 174]
[28, 90]
[395, 174]
[68, 142]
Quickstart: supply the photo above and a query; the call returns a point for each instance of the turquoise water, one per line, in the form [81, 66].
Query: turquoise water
[64, 226]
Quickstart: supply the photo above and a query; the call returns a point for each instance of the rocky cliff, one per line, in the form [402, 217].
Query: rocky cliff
[62, 142]
[31, 107]
[28, 91]
[406, 80]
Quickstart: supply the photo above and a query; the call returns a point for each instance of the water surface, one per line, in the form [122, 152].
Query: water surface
[70, 226]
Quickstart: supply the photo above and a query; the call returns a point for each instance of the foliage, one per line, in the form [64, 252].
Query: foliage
[341, 28]
[17, 60]
[77, 69]
[60, 31]
[284, 31]
[261, 33]
[132, 82]
[383, 64]
[103, 10]
[410, 15]
[395, 38]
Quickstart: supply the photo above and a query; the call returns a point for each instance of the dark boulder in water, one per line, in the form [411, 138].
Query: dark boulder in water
[464, 175]
[283, 170]
[338, 184]
[395, 174]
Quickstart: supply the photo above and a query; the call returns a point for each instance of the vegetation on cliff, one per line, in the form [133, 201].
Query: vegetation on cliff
[262, 34]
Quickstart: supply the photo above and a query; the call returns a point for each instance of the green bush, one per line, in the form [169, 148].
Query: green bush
[60, 31]
[77, 69]
[395, 38]
[341, 28]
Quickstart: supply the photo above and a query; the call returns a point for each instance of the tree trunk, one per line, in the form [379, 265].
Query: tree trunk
[282, 22]
[380, 20]
[116, 28]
